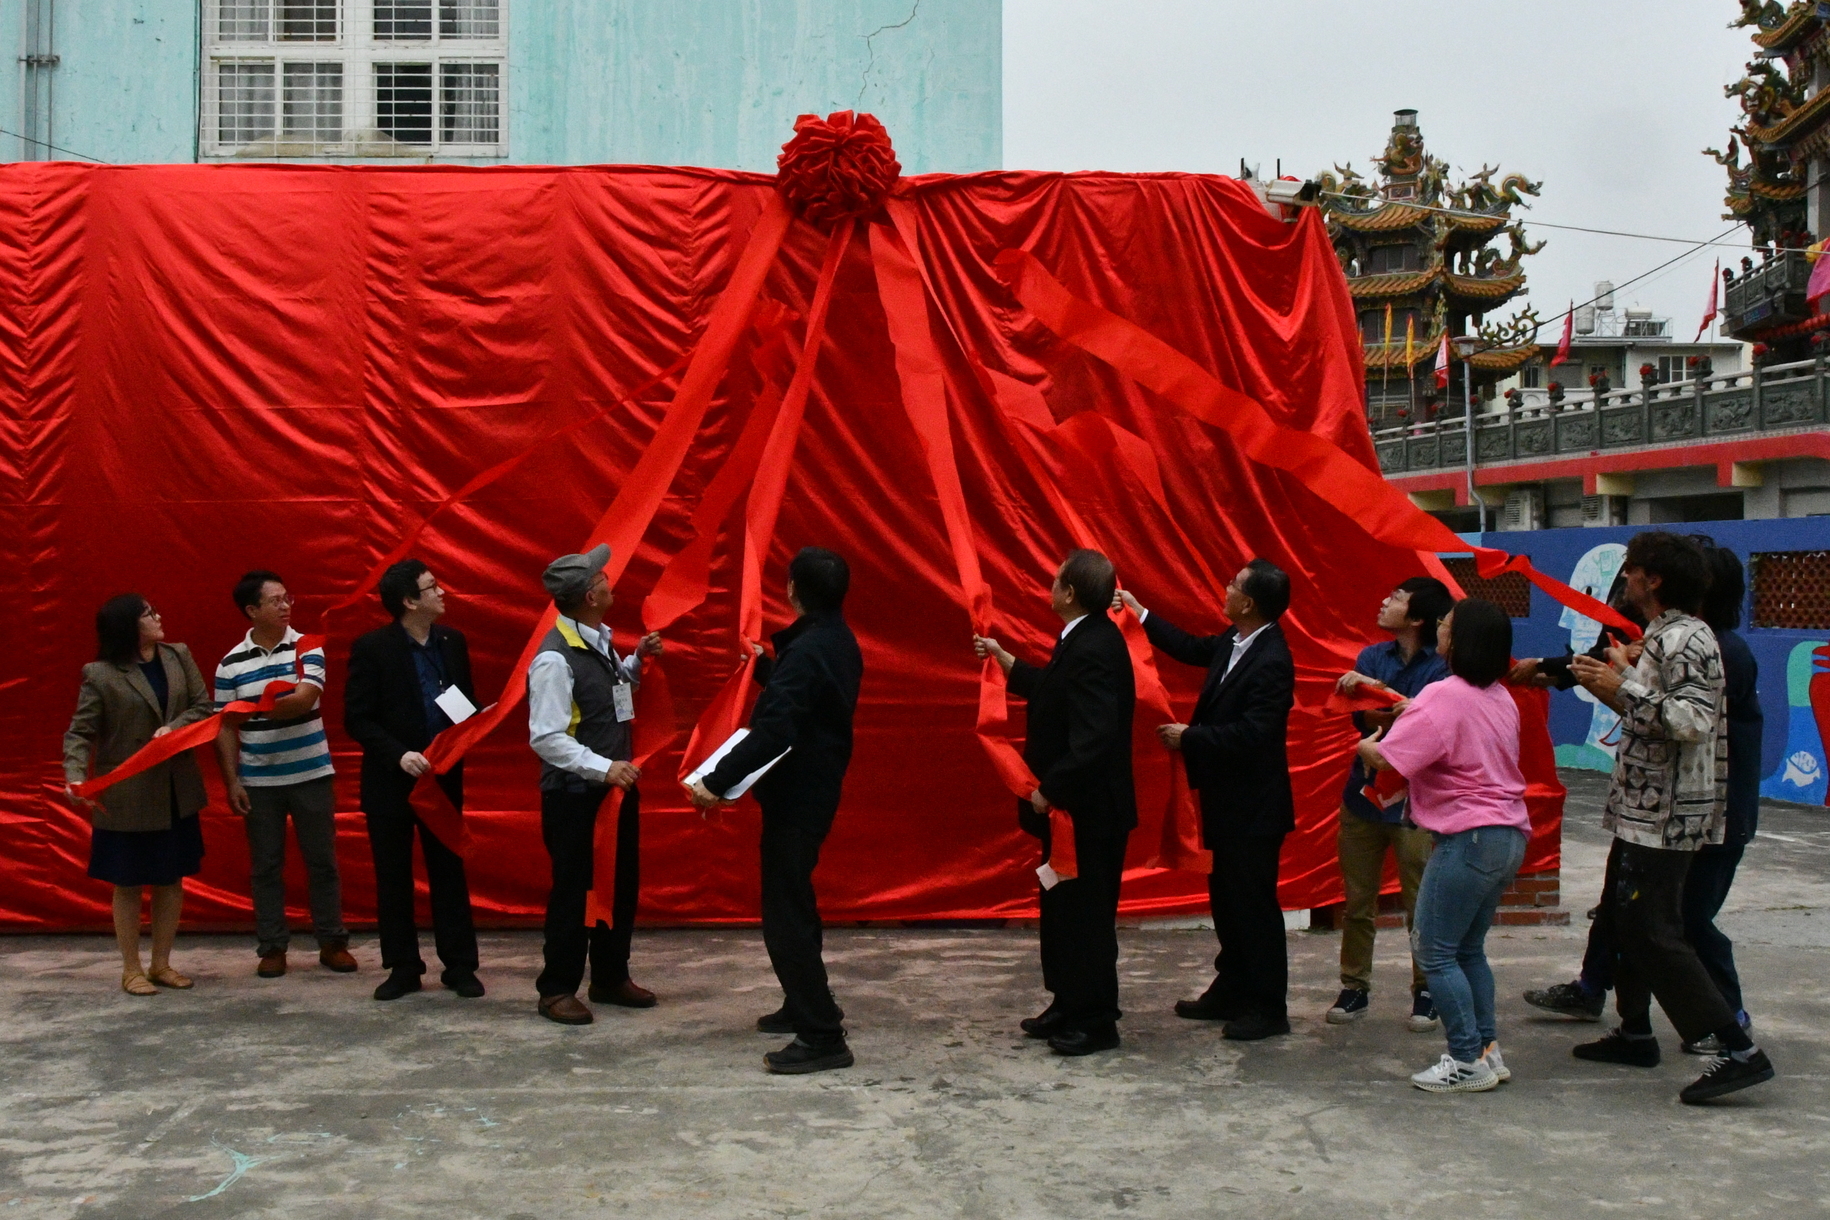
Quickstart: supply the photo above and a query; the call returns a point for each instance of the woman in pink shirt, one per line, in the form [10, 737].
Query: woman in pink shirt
[1457, 745]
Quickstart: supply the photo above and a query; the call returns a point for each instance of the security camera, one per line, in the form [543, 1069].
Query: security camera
[1290, 192]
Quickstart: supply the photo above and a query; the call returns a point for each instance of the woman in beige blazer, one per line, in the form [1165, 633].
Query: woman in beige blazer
[146, 831]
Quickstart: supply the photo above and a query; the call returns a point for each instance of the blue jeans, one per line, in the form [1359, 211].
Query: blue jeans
[1461, 889]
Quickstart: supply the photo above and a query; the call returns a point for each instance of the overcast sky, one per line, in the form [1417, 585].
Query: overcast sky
[1607, 102]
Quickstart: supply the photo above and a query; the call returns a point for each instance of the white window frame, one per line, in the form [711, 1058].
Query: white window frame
[358, 51]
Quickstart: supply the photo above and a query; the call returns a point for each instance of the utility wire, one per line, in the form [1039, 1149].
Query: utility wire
[53, 147]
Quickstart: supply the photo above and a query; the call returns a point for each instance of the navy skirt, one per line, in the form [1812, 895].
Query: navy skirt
[148, 857]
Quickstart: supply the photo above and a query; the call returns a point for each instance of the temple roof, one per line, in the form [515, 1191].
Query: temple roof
[1794, 126]
[1405, 283]
[1800, 23]
[1499, 359]
[1391, 217]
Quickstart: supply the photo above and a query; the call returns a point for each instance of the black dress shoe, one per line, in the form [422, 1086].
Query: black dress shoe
[397, 984]
[1207, 1008]
[1084, 1041]
[1251, 1026]
[1045, 1024]
[467, 985]
[798, 1058]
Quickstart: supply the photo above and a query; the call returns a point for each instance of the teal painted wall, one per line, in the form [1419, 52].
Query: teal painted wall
[719, 82]
[665, 82]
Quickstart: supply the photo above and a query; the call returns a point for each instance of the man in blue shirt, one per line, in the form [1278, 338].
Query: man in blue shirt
[1406, 664]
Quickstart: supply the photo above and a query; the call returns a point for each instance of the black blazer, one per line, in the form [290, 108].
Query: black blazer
[1079, 737]
[383, 711]
[810, 691]
[1234, 745]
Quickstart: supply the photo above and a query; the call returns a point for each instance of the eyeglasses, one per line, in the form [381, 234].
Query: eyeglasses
[149, 612]
[284, 599]
[431, 588]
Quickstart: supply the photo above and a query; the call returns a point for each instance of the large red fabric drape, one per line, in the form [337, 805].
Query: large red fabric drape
[205, 369]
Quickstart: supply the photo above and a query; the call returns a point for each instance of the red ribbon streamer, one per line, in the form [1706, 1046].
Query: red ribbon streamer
[1361, 494]
[176, 742]
[639, 498]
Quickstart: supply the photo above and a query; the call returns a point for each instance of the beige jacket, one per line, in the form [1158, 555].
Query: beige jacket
[116, 715]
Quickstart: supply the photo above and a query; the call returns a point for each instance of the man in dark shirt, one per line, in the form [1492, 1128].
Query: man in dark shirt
[810, 693]
[396, 674]
[1404, 665]
[1078, 745]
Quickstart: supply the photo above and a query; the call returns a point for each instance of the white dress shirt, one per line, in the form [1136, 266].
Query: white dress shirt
[1240, 644]
[549, 703]
[1071, 624]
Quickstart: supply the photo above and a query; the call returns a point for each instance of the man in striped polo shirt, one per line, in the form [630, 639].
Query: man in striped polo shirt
[280, 766]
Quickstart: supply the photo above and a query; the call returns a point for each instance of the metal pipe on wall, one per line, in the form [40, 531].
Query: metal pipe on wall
[39, 60]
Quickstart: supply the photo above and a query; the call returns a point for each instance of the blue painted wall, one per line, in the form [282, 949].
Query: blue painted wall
[686, 82]
[1793, 759]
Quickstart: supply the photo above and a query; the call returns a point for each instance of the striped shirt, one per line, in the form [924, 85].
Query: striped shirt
[275, 752]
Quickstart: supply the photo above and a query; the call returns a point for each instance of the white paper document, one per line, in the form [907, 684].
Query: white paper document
[1048, 876]
[710, 764]
[454, 705]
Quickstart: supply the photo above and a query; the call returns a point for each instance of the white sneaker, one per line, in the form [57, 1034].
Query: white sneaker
[1450, 1076]
[1495, 1064]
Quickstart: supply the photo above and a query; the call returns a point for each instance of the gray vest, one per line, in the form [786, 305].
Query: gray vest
[594, 722]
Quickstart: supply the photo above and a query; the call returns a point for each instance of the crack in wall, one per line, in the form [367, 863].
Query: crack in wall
[864, 82]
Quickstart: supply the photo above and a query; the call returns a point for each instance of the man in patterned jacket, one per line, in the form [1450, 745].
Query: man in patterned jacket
[1667, 799]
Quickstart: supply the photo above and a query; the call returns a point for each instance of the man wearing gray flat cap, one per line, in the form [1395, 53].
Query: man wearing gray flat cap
[580, 702]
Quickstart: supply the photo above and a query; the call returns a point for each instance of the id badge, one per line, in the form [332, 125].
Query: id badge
[624, 695]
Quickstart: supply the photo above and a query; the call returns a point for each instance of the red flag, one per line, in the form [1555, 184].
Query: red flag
[1569, 329]
[1819, 283]
[1442, 362]
[1709, 310]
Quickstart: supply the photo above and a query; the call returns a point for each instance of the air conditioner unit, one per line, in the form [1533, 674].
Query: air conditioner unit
[1523, 510]
[1604, 510]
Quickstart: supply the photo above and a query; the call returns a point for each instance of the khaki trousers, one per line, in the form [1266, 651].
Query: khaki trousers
[1363, 845]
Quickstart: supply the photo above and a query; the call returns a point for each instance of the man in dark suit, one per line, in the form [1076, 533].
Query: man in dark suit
[396, 675]
[810, 692]
[1079, 748]
[1234, 751]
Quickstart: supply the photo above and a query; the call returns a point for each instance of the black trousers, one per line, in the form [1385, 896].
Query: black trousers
[1644, 919]
[1079, 935]
[1252, 969]
[791, 923]
[568, 825]
[1706, 887]
[454, 932]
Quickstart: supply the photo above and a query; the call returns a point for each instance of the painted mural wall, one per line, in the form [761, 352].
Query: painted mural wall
[1794, 666]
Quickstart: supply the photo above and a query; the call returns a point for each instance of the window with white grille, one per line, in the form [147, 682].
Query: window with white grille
[353, 78]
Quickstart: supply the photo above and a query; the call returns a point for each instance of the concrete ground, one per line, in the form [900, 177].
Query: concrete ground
[302, 1097]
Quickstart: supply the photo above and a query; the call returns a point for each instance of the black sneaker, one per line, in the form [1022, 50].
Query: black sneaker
[1423, 1016]
[467, 985]
[798, 1058]
[1619, 1048]
[1728, 1075]
[1567, 1000]
[1349, 1007]
[779, 1022]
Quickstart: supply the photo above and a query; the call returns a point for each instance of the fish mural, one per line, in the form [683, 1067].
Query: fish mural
[1594, 574]
[1800, 776]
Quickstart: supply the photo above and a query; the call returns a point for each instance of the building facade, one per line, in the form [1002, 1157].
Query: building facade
[565, 82]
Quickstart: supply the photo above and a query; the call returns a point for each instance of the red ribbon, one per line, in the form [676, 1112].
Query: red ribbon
[637, 500]
[1361, 494]
[176, 742]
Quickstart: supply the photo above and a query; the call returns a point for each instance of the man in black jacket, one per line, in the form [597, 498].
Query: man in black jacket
[396, 675]
[1079, 747]
[810, 692]
[1233, 748]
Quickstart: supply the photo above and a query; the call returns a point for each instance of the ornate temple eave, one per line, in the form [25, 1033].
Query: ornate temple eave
[1504, 359]
[1800, 23]
[1423, 352]
[1487, 290]
[1795, 126]
[1394, 217]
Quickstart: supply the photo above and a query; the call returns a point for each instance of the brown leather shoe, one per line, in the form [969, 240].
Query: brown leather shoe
[625, 994]
[565, 1009]
[272, 965]
[337, 959]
